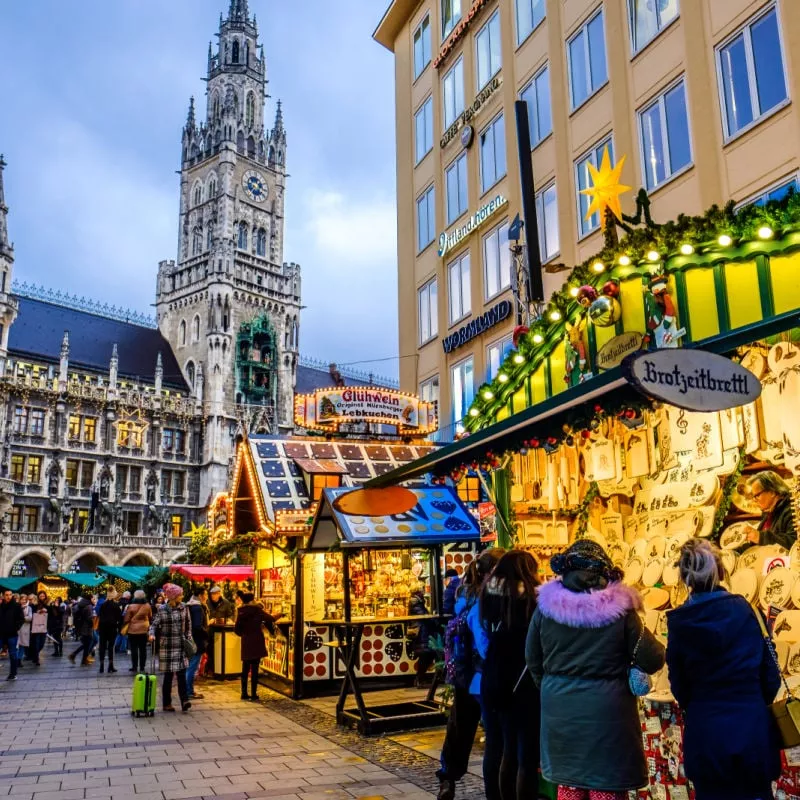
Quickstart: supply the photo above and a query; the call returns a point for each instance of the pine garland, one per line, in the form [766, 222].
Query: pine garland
[727, 496]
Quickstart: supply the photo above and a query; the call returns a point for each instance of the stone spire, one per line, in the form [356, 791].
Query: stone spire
[279, 121]
[239, 11]
[113, 368]
[191, 123]
[159, 375]
[5, 246]
[63, 364]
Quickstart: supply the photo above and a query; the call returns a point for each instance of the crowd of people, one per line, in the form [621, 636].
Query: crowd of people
[112, 624]
[548, 670]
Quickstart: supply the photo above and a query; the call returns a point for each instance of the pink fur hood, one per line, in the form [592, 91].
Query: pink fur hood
[594, 609]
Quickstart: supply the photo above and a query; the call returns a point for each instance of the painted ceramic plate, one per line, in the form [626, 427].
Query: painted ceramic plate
[787, 627]
[729, 560]
[794, 556]
[596, 536]
[655, 599]
[796, 591]
[748, 559]
[671, 575]
[755, 361]
[776, 588]
[673, 549]
[634, 570]
[618, 552]
[678, 595]
[653, 569]
[704, 521]
[656, 547]
[734, 536]
[745, 583]
[639, 548]
[793, 661]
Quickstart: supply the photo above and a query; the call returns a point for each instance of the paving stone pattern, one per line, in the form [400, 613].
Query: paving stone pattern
[68, 735]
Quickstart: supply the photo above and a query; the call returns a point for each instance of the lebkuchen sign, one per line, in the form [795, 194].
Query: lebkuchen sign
[477, 326]
[692, 379]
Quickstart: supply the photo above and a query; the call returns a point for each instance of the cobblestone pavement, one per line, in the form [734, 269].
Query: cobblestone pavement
[68, 735]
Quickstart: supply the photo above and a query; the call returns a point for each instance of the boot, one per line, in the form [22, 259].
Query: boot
[111, 666]
[103, 667]
[447, 789]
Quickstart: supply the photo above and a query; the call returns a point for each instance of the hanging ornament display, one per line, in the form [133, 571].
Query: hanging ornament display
[660, 314]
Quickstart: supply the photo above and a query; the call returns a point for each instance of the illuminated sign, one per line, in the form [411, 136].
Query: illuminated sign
[477, 326]
[447, 241]
[458, 32]
[470, 112]
[326, 409]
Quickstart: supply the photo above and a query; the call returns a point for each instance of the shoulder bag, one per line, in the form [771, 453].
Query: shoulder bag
[786, 711]
[189, 646]
[639, 682]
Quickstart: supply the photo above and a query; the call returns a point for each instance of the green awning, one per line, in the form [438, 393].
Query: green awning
[15, 584]
[90, 579]
[127, 574]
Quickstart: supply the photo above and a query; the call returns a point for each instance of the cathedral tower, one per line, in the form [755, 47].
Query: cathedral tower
[8, 305]
[229, 305]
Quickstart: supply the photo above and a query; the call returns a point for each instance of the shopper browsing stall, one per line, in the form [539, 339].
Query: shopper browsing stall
[773, 496]
[250, 624]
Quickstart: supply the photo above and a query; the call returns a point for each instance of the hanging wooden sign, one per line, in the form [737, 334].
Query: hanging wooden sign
[692, 379]
[615, 350]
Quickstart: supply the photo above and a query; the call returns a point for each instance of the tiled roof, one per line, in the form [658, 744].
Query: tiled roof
[39, 329]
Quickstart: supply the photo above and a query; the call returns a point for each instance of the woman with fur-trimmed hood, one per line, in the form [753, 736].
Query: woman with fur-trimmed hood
[585, 634]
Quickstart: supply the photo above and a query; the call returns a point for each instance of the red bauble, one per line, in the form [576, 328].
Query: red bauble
[598, 409]
[519, 332]
[534, 442]
[630, 413]
[611, 289]
[586, 434]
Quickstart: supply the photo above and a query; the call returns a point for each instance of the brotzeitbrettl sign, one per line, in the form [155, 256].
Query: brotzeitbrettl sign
[692, 379]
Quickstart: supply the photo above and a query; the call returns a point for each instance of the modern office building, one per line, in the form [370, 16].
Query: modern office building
[695, 94]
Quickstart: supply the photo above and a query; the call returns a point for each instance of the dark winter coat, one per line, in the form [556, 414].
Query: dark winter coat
[580, 646]
[56, 619]
[777, 527]
[110, 617]
[422, 632]
[250, 624]
[198, 614]
[222, 609]
[82, 618]
[173, 626]
[723, 677]
[11, 618]
[449, 598]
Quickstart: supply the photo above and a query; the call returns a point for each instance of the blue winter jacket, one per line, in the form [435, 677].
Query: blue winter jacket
[479, 637]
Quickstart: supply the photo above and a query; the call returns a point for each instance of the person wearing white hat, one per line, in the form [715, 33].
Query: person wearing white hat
[219, 609]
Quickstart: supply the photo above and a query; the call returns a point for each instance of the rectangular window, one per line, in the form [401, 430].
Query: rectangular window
[87, 474]
[131, 522]
[422, 46]
[462, 390]
[178, 484]
[587, 60]
[166, 484]
[429, 390]
[177, 525]
[89, 429]
[456, 182]
[74, 427]
[121, 479]
[547, 222]
[488, 44]
[537, 95]
[776, 192]
[459, 288]
[135, 482]
[34, 469]
[495, 355]
[426, 219]
[20, 419]
[493, 153]
[664, 132]
[451, 14]
[583, 181]
[180, 442]
[168, 440]
[16, 518]
[31, 518]
[529, 14]
[453, 93]
[751, 73]
[18, 469]
[429, 311]
[496, 261]
[71, 476]
[81, 520]
[647, 19]
[423, 130]
[37, 422]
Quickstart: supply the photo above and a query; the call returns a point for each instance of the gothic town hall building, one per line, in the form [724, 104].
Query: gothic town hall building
[117, 431]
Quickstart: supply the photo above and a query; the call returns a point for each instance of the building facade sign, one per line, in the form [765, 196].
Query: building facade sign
[458, 32]
[471, 111]
[477, 326]
[692, 379]
[447, 241]
[612, 353]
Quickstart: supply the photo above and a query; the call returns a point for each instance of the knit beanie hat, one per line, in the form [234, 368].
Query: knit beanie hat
[172, 590]
[585, 555]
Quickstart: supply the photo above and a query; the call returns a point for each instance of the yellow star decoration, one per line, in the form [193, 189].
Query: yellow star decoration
[195, 529]
[606, 188]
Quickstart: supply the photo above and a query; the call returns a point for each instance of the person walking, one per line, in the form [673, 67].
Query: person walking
[83, 622]
[171, 623]
[121, 645]
[11, 620]
[38, 628]
[138, 616]
[198, 614]
[509, 698]
[250, 623]
[24, 638]
[465, 707]
[451, 583]
[422, 632]
[723, 676]
[583, 638]
[109, 617]
[56, 622]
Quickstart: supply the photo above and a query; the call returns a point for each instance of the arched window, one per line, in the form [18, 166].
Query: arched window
[209, 237]
[182, 333]
[236, 105]
[235, 52]
[215, 106]
[250, 110]
[242, 243]
[212, 186]
[197, 240]
[196, 328]
[198, 194]
[190, 373]
[251, 147]
[261, 242]
[247, 52]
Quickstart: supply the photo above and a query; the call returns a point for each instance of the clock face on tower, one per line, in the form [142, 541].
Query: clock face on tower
[255, 186]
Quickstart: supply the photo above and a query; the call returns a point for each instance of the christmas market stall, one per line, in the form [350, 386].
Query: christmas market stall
[364, 557]
[647, 403]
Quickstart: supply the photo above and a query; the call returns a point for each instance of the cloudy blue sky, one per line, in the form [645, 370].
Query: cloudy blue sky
[93, 95]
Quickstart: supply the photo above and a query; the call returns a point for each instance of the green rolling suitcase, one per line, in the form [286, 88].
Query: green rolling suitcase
[145, 689]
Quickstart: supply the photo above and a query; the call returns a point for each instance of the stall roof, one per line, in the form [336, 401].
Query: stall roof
[438, 518]
[129, 574]
[200, 572]
[324, 467]
[279, 464]
[90, 579]
[15, 584]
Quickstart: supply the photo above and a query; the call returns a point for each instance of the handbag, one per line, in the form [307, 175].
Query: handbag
[123, 631]
[787, 711]
[189, 647]
[639, 682]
